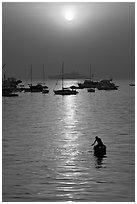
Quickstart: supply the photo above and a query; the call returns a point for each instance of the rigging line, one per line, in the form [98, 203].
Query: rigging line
[43, 75]
[57, 81]
[27, 79]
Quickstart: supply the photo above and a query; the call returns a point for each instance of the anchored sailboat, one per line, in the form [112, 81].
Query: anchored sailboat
[38, 87]
[45, 88]
[65, 91]
[91, 90]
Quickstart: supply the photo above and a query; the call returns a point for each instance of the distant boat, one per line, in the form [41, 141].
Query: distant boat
[65, 91]
[88, 83]
[9, 86]
[36, 88]
[91, 90]
[45, 88]
[6, 92]
[45, 91]
[106, 85]
[132, 84]
[75, 87]
[28, 89]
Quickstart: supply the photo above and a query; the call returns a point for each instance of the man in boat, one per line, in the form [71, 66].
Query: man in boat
[100, 148]
[99, 141]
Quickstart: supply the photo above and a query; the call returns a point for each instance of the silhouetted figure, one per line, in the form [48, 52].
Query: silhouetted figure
[99, 141]
[100, 148]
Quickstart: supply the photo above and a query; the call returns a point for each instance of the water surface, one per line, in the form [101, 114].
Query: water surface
[47, 153]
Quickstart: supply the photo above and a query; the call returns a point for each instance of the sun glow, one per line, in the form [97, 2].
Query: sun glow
[69, 15]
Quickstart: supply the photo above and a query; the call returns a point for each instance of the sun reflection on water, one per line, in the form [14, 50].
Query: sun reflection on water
[68, 170]
[70, 110]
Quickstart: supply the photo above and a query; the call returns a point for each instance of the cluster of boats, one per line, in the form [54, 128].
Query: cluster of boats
[89, 84]
[105, 84]
[10, 86]
[36, 88]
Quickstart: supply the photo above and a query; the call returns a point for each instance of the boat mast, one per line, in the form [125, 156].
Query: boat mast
[91, 76]
[31, 74]
[90, 72]
[43, 74]
[62, 73]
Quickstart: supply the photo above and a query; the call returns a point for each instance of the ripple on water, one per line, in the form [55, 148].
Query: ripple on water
[47, 153]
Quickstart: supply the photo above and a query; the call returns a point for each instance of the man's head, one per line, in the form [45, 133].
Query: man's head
[96, 137]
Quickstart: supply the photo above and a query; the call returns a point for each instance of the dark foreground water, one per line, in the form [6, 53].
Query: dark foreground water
[47, 153]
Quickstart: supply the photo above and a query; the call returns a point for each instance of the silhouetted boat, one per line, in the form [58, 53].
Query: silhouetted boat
[89, 83]
[99, 150]
[45, 88]
[27, 89]
[39, 87]
[45, 91]
[65, 91]
[7, 92]
[132, 84]
[106, 85]
[9, 86]
[36, 88]
[91, 90]
[75, 87]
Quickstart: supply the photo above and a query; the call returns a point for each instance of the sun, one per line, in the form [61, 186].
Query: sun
[69, 15]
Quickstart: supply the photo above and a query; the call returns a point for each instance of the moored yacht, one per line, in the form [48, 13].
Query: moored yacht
[39, 87]
[65, 91]
[91, 90]
[107, 85]
[88, 83]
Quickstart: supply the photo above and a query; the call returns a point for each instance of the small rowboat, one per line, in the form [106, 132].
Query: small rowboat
[91, 90]
[99, 150]
[45, 91]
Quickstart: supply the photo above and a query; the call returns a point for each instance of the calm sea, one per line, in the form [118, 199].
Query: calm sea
[46, 146]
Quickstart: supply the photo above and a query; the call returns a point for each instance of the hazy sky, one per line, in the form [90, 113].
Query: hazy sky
[100, 34]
